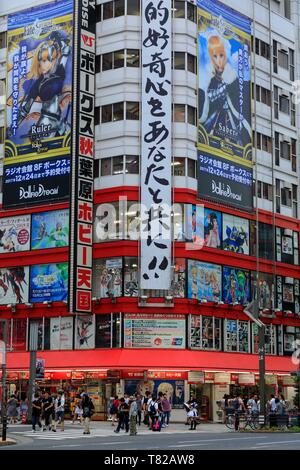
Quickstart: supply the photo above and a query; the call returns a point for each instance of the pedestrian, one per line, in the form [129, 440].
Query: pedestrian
[47, 404]
[12, 411]
[166, 408]
[145, 403]
[24, 410]
[139, 402]
[78, 412]
[133, 413]
[36, 411]
[114, 410]
[123, 416]
[88, 410]
[59, 406]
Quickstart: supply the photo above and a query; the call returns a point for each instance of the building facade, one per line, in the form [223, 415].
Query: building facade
[189, 335]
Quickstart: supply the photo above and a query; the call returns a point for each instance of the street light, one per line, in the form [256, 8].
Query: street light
[251, 310]
[3, 367]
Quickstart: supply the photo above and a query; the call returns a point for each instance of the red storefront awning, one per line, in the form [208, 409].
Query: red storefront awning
[150, 359]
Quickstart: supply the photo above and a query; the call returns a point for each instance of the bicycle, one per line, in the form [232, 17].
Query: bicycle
[244, 420]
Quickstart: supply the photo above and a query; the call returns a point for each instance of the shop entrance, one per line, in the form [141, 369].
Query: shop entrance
[203, 394]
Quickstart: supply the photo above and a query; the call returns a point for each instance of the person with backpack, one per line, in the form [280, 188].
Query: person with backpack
[88, 410]
[59, 406]
[239, 407]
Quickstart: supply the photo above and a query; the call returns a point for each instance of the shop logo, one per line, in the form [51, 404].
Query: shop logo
[224, 190]
[39, 191]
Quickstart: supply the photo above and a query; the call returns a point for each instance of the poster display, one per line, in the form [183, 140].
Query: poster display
[236, 285]
[50, 229]
[61, 333]
[107, 277]
[84, 332]
[266, 290]
[204, 281]
[38, 106]
[14, 284]
[224, 105]
[49, 282]
[194, 217]
[161, 331]
[212, 228]
[235, 234]
[15, 234]
[178, 282]
[174, 389]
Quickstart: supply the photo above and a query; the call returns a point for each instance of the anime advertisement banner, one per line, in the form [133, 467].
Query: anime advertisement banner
[178, 281]
[174, 389]
[236, 285]
[235, 234]
[85, 332]
[224, 48]
[204, 281]
[194, 216]
[49, 282]
[39, 81]
[15, 234]
[50, 229]
[107, 279]
[61, 333]
[154, 331]
[212, 228]
[14, 284]
[266, 290]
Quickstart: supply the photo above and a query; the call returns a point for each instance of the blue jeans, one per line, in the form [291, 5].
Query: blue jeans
[35, 421]
[166, 417]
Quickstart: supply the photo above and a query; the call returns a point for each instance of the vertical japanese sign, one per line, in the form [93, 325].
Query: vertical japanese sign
[224, 105]
[156, 145]
[39, 103]
[81, 200]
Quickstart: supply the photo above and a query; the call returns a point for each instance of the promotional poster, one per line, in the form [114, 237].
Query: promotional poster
[107, 278]
[204, 281]
[174, 389]
[50, 229]
[224, 105]
[236, 286]
[39, 104]
[178, 282]
[85, 332]
[212, 228]
[266, 290]
[235, 234]
[15, 234]
[194, 216]
[49, 282]
[14, 283]
[61, 333]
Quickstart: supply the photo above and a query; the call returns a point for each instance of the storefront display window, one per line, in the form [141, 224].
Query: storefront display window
[286, 245]
[270, 339]
[61, 333]
[36, 326]
[235, 234]
[131, 277]
[265, 240]
[19, 334]
[205, 332]
[236, 335]
[236, 286]
[108, 331]
[178, 283]
[8, 339]
[85, 332]
[288, 294]
[107, 277]
[266, 290]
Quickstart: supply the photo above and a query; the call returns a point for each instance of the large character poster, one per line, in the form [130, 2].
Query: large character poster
[204, 281]
[236, 286]
[14, 284]
[38, 107]
[50, 229]
[224, 105]
[15, 234]
[49, 282]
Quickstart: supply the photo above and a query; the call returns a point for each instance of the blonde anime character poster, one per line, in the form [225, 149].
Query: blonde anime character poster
[204, 281]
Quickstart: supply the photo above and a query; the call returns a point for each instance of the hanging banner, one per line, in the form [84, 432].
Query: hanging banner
[81, 197]
[38, 106]
[224, 105]
[156, 147]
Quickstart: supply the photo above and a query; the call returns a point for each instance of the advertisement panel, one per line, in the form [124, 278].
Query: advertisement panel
[14, 284]
[154, 331]
[85, 332]
[156, 145]
[235, 234]
[224, 105]
[15, 234]
[194, 217]
[39, 97]
[82, 173]
[204, 281]
[61, 333]
[50, 229]
[173, 389]
[49, 282]
[236, 286]
[107, 278]
[212, 228]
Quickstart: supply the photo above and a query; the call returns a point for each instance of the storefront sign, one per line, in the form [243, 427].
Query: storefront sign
[131, 374]
[222, 378]
[247, 379]
[78, 375]
[101, 374]
[209, 377]
[271, 379]
[196, 377]
[156, 151]
[82, 154]
[288, 381]
[154, 331]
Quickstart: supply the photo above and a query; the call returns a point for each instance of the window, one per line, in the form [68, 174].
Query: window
[266, 143]
[96, 168]
[192, 168]
[205, 332]
[259, 189]
[294, 154]
[108, 10]
[292, 64]
[286, 197]
[118, 111]
[132, 164]
[265, 240]
[290, 335]
[97, 115]
[191, 63]
[106, 113]
[117, 165]
[265, 50]
[179, 60]
[270, 339]
[284, 104]
[107, 277]
[36, 327]
[191, 115]
[98, 13]
[97, 63]
[19, 334]
[267, 191]
[285, 150]
[287, 9]
[118, 58]
[276, 100]
[283, 60]
[131, 277]
[2, 39]
[107, 61]
[132, 110]
[275, 57]
[277, 146]
[265, 96]
[119, 8]
[191, 12]
[293, 110]
[179, 113]
[133, 58]
[106, 166]
[133, 7]
[236, 335]
[1, 135]
[178, 166]
[179, 9]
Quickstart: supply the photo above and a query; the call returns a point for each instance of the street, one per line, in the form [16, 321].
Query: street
[175, 438]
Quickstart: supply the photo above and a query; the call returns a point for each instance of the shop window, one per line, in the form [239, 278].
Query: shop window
[235, 234]
[103, 331]
[19, 334]
[266, 290]
[178, 282]
[132, 164]
[236, 286]
[133, 7]
[270, 339]
[133, 58]
[178, 221]
[8, 331]
[265, 240]
[178, 166]
[205, 332]
[179, 60]
[36, 327]
[290, 335]
[131, 277]
[132, 110]
[61, 333]
[236, 335]
[204, 281]
[107, 278]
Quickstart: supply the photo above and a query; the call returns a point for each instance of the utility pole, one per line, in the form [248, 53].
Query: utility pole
[251, 310]
[33, 345]
[3, 368]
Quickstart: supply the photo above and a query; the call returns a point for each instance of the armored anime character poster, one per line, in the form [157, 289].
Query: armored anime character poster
[224, 41]
[39, 81]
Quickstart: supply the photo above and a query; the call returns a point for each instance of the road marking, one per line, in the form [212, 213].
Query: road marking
[223, 439]
[66, 445]
[277, 442]
[188, 445]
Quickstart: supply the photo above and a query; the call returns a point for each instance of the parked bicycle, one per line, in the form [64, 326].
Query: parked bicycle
[244, 420]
